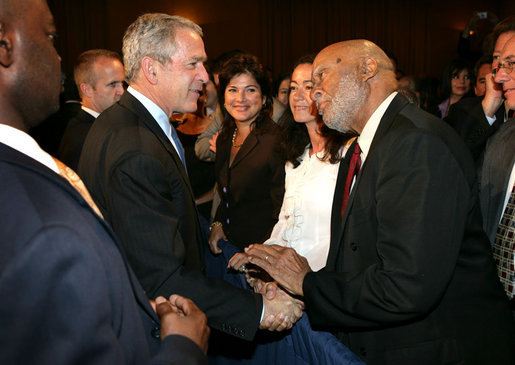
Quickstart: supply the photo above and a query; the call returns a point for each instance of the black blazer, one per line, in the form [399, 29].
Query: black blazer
[74, 137]
[252, 188]
[410, 278]
[138, 181]
[469, 121]
[68, 294]
[495, 176]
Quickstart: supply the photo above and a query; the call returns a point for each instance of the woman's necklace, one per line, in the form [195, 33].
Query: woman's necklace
[234, 138]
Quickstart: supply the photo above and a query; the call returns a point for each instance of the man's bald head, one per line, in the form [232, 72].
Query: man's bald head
[351, 79]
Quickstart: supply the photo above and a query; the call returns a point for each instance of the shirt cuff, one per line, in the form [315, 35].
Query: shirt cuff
[491, 120]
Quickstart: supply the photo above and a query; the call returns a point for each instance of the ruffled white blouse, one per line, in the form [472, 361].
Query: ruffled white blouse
[305, 218]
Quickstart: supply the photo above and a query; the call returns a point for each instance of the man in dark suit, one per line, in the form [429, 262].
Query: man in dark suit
[134, 169]
[410, 278]
[68, 295]
[99, 77]
[498, 178]
[477, 119]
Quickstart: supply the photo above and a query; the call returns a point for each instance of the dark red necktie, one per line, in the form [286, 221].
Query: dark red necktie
[354, 166]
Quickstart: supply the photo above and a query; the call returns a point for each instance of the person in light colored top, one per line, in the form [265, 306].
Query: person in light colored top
[313, 153]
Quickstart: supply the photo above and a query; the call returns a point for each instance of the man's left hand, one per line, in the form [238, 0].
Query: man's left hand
[283, 264]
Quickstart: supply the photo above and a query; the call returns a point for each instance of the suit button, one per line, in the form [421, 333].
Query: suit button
[353, 246]
[156, 332]
[242, 333]
[363, 351]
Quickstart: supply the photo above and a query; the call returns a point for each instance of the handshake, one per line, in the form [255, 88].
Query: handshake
[262, 264]
[275, 272]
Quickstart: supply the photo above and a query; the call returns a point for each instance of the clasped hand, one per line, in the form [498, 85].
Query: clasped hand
[180, 316]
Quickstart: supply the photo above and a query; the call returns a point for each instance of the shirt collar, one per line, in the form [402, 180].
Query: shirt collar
[157, 113]
[22, 142]
[367, 135]
[94, 113]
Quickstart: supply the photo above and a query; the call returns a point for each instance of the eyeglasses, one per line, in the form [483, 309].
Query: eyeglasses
[507, 66]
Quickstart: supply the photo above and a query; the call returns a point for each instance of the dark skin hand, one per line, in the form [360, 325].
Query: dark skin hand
[282, 310]
[283, 264]
[180, 316]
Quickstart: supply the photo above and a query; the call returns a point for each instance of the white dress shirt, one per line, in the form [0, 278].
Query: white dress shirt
[92, 112]
[25, 144]
[157, 113]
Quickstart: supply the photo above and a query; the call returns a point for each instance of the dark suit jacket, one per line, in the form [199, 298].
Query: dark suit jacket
[495, 176]
[469, 121]
[74, 137]
[138, 181]
[68, 294]
[48, 134]
[252, 188]
[410, 278]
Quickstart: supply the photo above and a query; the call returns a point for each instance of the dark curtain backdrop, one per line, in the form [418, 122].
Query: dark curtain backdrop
[422, 34]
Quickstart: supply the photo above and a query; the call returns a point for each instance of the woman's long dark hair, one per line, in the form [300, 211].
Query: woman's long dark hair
[295, 137]
[237, 65]
[453, 69]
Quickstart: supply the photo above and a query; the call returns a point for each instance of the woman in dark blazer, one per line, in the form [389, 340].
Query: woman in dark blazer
[248, 168]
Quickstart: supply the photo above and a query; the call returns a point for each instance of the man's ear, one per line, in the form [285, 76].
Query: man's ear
[6, 58]
[149, 67]
[85, 89]
[368, 68]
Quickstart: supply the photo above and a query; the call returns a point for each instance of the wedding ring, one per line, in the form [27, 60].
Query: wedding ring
[266, 258]
[243, 268]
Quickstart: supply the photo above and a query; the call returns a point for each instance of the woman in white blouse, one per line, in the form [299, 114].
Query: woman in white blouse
[313, 153]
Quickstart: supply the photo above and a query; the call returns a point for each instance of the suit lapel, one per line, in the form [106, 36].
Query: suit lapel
[248, 145]
[337, 228]
[130, 102]
[336, 212]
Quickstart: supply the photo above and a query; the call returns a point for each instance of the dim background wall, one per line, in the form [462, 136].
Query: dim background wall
[422, 34]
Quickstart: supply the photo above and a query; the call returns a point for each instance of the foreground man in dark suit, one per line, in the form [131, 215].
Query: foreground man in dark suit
[410, 277]
[68, 295]
[134, 171]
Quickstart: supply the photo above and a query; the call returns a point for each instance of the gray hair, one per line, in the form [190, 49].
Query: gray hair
[152, 35]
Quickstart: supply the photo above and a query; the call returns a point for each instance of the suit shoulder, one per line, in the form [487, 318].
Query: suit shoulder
[32, 199]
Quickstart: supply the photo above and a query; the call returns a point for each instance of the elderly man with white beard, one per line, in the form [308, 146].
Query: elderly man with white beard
[410, 276]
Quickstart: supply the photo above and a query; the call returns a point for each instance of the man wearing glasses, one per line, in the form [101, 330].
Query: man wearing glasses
[477, 119]
[498, 179]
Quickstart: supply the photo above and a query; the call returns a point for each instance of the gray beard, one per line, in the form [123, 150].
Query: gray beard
[344, 106]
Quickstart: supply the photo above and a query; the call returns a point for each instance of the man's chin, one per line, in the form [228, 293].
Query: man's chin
[188, 108]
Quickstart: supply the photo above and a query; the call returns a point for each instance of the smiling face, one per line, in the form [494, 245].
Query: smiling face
[181, 79]
[302, 107]
[337, 90]
[460, 82]
[243, 98]
[507, 79]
